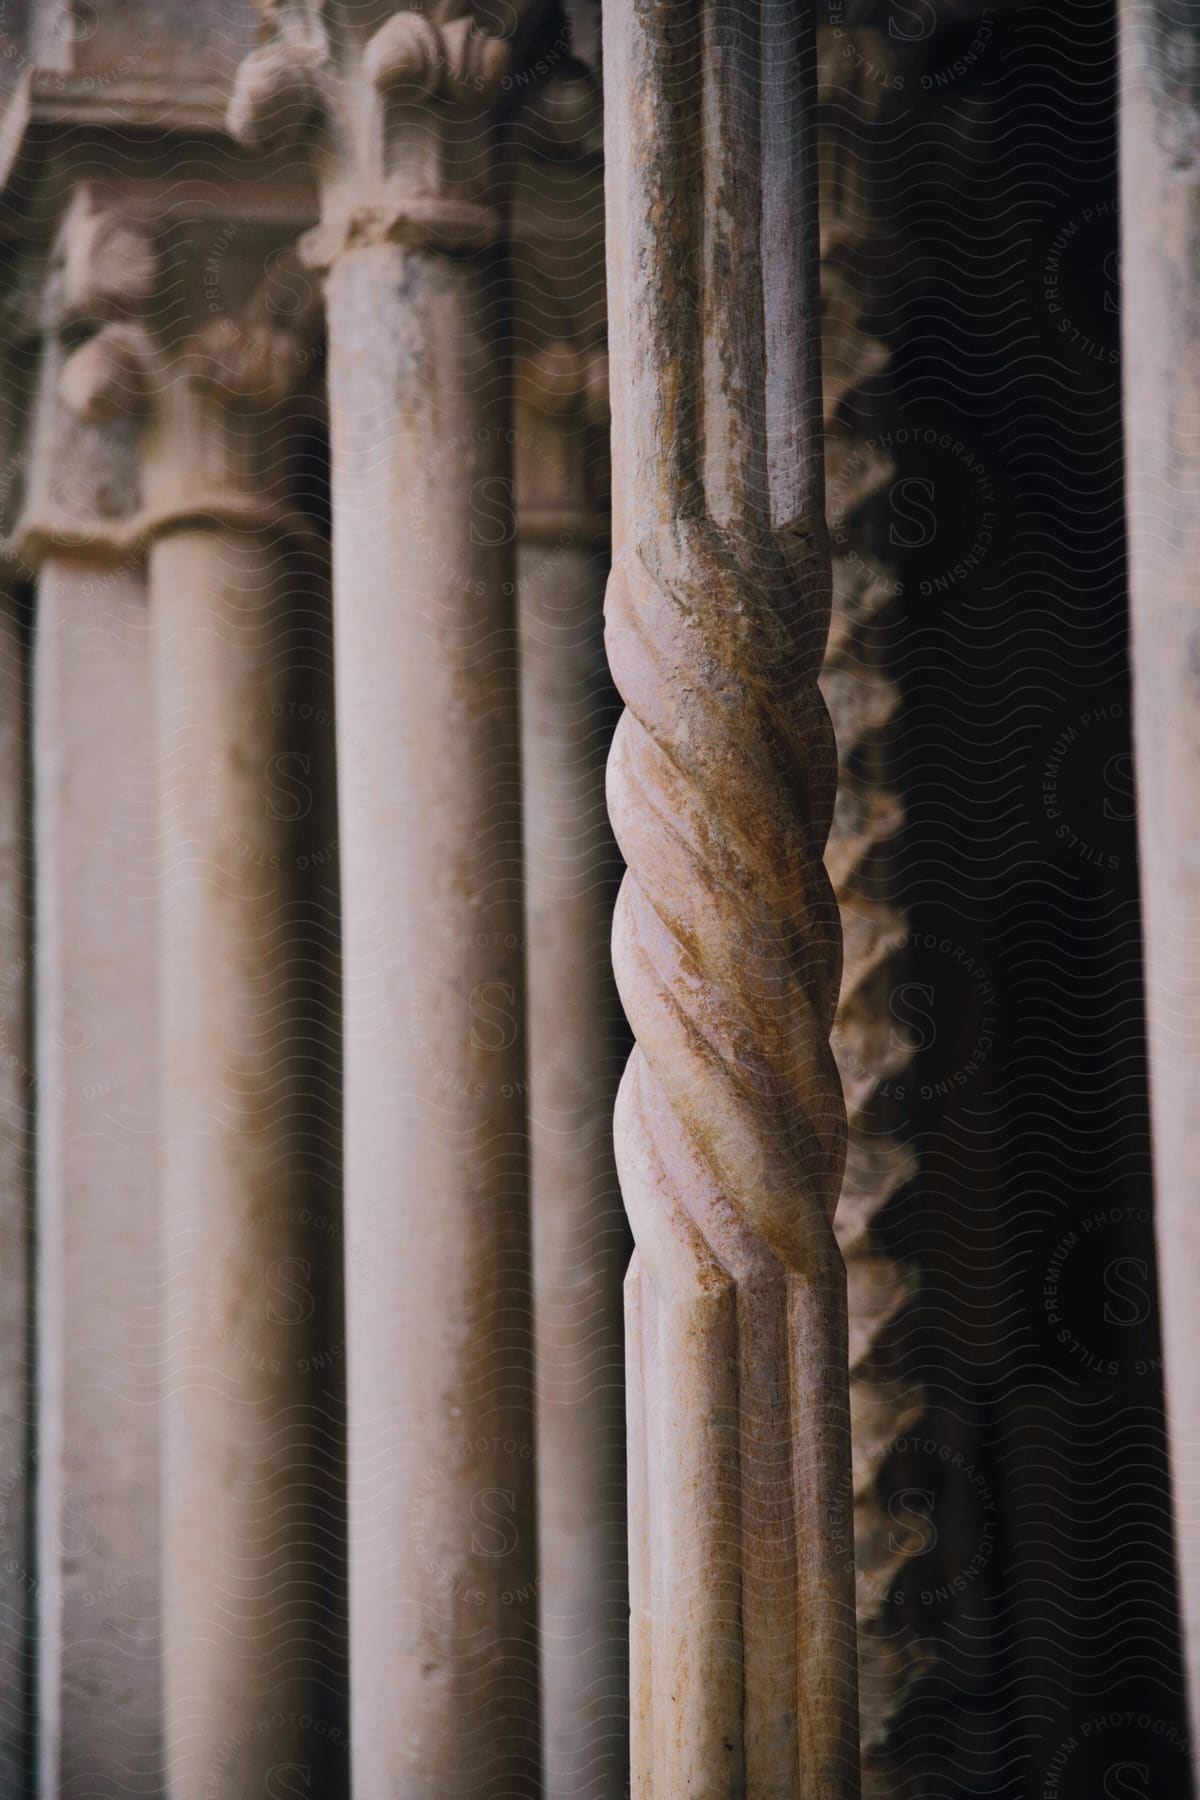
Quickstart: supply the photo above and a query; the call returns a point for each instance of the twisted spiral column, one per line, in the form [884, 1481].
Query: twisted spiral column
[729, 1124]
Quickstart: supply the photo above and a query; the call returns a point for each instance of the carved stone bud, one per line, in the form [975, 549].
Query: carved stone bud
[275, 94]
[474, 61]
[109, 376]
[411, 53]
[261, 363]
[404, 54]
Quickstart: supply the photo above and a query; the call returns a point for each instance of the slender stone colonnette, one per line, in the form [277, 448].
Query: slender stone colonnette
[397, 108]
[577, 1042]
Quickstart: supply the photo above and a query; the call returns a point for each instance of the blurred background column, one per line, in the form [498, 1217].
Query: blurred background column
[1160, 266]
[97, 1580]
[577, 1041]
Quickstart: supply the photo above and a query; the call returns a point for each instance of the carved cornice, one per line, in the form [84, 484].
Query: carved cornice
[109, 377]
[109, 68]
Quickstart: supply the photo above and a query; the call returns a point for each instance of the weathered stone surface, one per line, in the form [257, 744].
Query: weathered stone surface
[443, 1596]
[730, 1128]
[1160, 235]
[17, 1086]
[97, 1582]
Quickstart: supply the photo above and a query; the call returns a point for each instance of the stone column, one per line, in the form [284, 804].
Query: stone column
[443, 1600]
[245, 1415]
[576, 1037]
[96, 1579]
[16, 1090]
[98, 1224]
[234, 631]
[1160, 235]
[863, 701]
[730, 1128]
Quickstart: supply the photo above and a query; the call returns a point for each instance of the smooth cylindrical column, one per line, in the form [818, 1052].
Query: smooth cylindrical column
[250, 1407]
[443, 1601]
[98, 1207]
[576, 1049]
[16, 1091]
[1160, 229]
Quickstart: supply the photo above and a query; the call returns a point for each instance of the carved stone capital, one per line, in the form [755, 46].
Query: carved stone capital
[403, 119]
[425, 221]
[729, 1127]
[556, 217]
[78, 479]
[109, 376]
[257, 364]
[414, 55]
[134, 431]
